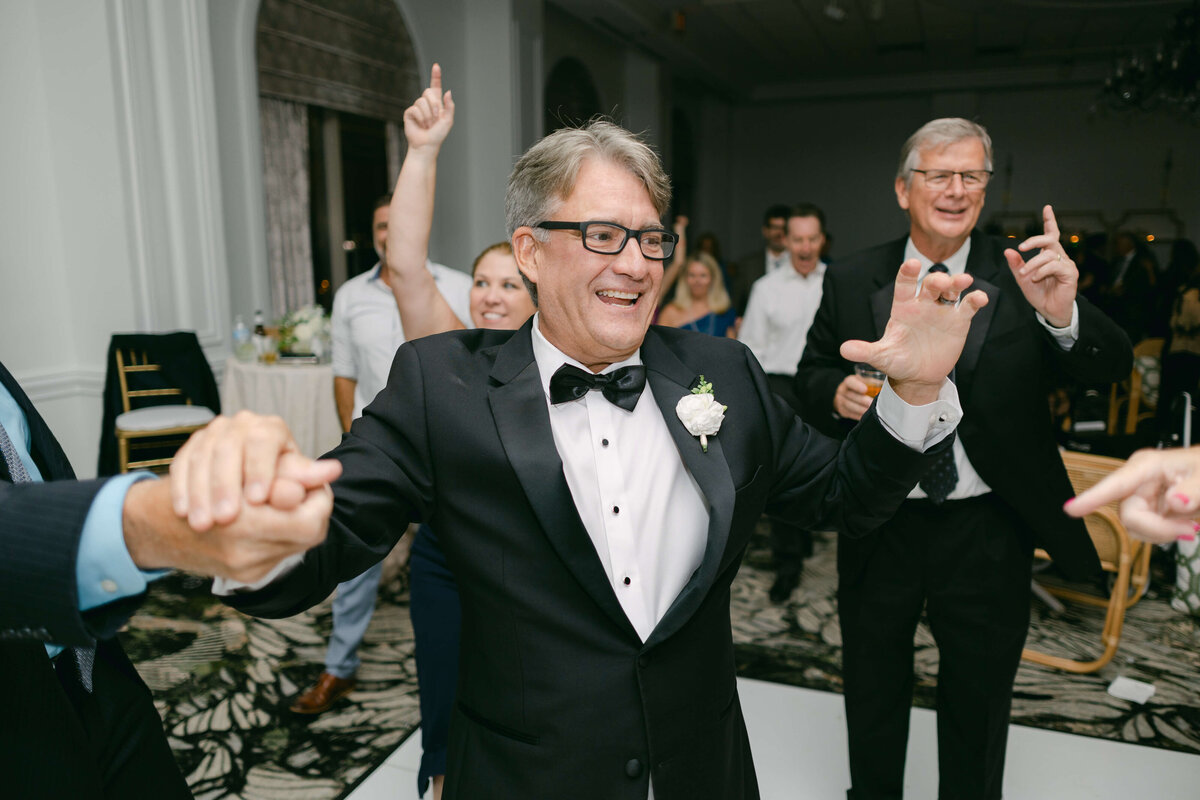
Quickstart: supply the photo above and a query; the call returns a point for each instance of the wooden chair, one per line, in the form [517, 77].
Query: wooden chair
[154, 426]
[1136, 408]
[1128, 560]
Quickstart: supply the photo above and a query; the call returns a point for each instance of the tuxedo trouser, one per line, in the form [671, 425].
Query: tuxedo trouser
[122, 730]
[790, 544]
[968, 565]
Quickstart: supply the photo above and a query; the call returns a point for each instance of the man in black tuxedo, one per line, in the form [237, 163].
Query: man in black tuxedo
[78, 720]
[961, 547]
[593, 536]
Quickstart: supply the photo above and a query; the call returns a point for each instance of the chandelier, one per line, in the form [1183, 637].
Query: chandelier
[1166, 80]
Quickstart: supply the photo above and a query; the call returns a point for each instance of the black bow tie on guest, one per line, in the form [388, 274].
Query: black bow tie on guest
[939, 267]
[621, 387]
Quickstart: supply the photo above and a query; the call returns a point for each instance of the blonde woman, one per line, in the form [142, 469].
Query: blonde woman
[700, 302]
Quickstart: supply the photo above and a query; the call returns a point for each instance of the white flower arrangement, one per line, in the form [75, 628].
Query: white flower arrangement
[700, 412]
[304, 330]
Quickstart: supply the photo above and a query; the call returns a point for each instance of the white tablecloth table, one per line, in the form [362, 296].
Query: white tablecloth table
[301, 394]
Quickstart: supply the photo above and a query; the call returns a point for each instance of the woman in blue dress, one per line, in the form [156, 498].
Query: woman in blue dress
[700, 302]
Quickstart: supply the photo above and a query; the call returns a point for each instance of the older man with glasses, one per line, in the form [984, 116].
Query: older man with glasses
[594, 482]
[960, 548]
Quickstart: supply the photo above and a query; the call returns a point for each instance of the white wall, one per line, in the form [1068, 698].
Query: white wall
[841, 154]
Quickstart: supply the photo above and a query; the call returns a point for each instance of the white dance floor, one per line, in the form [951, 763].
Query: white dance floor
[799, 742]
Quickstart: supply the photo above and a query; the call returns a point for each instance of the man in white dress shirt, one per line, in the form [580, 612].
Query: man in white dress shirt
[782, 306]
[592, 532]
[366, 335]
[752, 266]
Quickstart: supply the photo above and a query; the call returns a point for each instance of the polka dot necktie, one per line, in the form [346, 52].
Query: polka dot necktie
[942, 477]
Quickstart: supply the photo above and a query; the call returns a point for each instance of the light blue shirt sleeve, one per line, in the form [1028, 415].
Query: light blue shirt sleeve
[104, 570]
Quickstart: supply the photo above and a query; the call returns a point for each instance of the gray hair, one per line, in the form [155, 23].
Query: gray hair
[940, 133]
[545, 176]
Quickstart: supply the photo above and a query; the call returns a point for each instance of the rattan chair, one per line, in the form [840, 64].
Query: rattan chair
[155, 428]
[1126, 559]
[1136, 407]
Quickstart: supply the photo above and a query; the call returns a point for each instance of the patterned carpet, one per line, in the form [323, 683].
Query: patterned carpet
[800, 644]
[223, 681]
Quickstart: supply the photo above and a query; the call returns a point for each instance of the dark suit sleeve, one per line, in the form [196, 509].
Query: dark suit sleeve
[40, 526]
[853, 486]
[386, 483]
[822, 368]
[1102, 353]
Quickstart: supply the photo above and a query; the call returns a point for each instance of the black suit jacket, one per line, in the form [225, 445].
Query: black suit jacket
[42, 745]
[742, 275]
[1004, 374]
[557, 694]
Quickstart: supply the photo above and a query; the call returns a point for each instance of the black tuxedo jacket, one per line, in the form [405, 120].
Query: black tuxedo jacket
[41, 743]
[557, 694]
[1006, 369]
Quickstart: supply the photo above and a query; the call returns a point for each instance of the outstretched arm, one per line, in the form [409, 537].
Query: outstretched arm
[677, 260]
[427, 122]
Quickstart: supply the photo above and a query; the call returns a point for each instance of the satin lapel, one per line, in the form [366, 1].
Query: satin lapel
[982, 266]
[979, 328]
[881, 308]
[46, 451]
[670, 380]
[523, 423]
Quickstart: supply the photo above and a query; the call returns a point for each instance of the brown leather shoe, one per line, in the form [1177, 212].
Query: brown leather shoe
[318, 699]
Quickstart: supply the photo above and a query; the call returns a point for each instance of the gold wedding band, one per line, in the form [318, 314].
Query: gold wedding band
[946, 301]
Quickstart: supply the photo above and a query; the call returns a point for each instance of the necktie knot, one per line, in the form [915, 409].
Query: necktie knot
[621, 387]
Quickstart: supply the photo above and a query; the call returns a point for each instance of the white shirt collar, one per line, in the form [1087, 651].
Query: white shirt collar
[957, 263]
[818, 272]
[549, 358]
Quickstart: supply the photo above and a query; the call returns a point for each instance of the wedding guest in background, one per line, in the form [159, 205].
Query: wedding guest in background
[699, 301]
[775, 327]
[752, 266]
[960, 549]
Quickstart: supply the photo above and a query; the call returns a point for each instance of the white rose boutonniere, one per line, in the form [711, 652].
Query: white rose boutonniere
[700, 412]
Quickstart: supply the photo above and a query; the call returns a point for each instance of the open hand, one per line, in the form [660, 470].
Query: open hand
[427, 122]
[1048, 280]
[925, 333]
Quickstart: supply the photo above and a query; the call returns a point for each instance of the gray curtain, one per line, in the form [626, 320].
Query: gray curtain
[285, 168]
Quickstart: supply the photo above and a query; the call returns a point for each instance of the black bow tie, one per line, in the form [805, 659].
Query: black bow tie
[621, 387]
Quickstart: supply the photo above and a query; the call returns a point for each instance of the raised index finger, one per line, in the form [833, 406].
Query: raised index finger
[435, 78]
[1049, 223]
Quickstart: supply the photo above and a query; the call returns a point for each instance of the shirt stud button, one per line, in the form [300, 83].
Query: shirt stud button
[604, 442]
[109, 585]
[627, 580]
[616, 509]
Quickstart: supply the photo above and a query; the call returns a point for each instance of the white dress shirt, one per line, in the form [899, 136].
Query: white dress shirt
[366, 328]
[780, 311]
[645, 514]
[969, 483]
[775, 261]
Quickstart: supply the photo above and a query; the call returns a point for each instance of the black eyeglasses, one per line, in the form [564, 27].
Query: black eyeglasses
[940, 178]
[609, 238]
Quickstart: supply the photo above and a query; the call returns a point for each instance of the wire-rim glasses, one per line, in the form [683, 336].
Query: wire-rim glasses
[973, 179]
